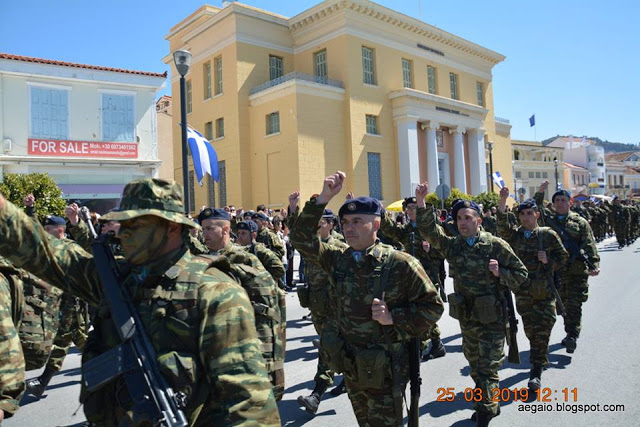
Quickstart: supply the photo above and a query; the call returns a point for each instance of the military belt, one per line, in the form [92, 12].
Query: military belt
[266, 311]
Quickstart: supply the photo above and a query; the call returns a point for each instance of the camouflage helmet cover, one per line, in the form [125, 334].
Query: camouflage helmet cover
[155, 197]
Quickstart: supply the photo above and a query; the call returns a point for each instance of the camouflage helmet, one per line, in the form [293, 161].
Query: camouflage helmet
[155, 197]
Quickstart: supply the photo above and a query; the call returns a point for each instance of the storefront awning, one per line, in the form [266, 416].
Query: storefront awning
[91, 191]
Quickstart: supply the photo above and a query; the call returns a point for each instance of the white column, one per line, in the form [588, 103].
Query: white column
[407, 129]
[459, 169]
[433, 173]
[477, 164]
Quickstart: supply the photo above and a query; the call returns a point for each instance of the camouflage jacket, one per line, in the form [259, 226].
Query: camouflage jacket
[471, 263]
[12, 366]
[578, 229]
[527, 249]
[489, 224]
[271, 241]
[203, 330]
[82, 236]
[413, 301]
[269, 260]
[402, 234]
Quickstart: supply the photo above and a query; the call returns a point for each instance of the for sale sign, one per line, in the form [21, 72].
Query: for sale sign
[58, 148]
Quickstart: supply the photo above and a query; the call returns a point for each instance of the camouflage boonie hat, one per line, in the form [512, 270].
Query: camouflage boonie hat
[155, 197]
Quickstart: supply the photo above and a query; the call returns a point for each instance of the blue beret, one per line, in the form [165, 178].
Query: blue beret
[463, 204]
[561, 193]
[260, 215]
[54, 220]
[209, 213]
[361, 205]
[408, 200]
[248, 225]
[328, 213]
[527, 204]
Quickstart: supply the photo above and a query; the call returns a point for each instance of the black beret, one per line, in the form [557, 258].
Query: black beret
[260, 215]
[527, 204]
[328, 213]
[464, 204]
[561, 193]
[248, 225]
[209, 213]
[408, 200]
[361, 205]
[54, 220]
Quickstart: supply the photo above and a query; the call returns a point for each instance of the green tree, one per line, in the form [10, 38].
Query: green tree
[455, 194]
[488, 199]
[49, 201]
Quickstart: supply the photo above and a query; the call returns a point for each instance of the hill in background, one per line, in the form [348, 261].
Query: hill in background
[609, 146]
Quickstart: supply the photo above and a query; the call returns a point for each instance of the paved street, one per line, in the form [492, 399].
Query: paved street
[604, 370]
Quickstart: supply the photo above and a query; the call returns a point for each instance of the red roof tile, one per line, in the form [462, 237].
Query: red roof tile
[76, 65]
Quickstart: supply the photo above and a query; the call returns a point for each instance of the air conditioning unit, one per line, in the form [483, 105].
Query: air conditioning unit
[7, 145]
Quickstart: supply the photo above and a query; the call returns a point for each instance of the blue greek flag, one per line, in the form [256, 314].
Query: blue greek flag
[532, 120]
[205, 159]
[498, 180]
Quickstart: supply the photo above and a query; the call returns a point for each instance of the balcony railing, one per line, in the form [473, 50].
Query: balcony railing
[296, 75]
[501, 120]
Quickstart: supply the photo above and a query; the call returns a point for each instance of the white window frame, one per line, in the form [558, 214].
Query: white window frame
[446, 171]
[133, 94]
[372, 71]
[216, 128]
[206, 74]
[435, 80]
[279, 60]
[55, 87]
[320, 66]
[407, 73]
[379, 175]
[480, 93]
[269, 130]
[377, 127]
[218, 85]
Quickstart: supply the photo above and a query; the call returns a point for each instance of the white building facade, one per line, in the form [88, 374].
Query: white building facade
[92, 129]
[584, 153]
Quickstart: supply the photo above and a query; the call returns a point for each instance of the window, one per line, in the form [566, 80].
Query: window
[480, 93]
[320, 66]
[545, 175]
[192, 192]
[531, 174]
[516, 155]
[518, 174]
[222, 182]
[407, 73]
[117, 117]
[372, 124]
[431, 77]
[49, 113]
[453, 81]
[206, 75]
[218, 74]
[375, 177]
[273, 123]
[368, 66]
[538, 175]
[208, 131]
[189, 99]
[220, 127]
[211, 192]
[275, 67]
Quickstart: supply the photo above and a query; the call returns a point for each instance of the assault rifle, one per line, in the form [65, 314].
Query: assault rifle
[574, 249]
[135, 358]
[551, 278]
[512, 328]
[414, 369]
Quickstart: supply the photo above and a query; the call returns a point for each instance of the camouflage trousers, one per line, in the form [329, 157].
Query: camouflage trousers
[538, 317]
[324, 375]
[483, 347]
[574, 292]
[372, 408]
[622, 234]
[72, 330]
[12, 366]
[432, 334]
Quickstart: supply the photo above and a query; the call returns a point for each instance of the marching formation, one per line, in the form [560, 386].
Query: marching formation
[183, 321]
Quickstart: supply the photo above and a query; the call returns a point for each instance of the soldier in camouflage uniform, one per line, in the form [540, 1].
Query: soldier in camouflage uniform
[246, 234]
[317, 292]
[381, 298]
[72, 328]
[575, 288]
[268, 237]
[489, 222]
[198, 318]
[11, 358]
[484, 267]
[408, 235]
[541, 251]
[264, 293]
[621, 220]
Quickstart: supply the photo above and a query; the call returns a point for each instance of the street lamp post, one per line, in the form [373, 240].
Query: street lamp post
[555, 161]
[490, 146]
[182, 60]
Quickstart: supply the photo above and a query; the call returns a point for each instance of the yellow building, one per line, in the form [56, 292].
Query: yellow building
[346, 85]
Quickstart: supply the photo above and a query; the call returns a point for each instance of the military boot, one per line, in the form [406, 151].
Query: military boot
[570, 342]
[483, 418]
[339, 389]
[37, 386]
[436, 350]
[535, 377]
[310, 403]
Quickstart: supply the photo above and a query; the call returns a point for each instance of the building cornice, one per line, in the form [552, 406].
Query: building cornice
[439, 100]
[375, 11]
[296, 86]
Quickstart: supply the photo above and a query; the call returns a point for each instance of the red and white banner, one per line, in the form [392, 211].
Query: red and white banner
[58, 148]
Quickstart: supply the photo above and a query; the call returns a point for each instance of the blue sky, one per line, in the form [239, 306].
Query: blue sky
[573, 63]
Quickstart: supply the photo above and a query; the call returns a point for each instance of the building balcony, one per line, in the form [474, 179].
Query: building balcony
[296, 75]
[501, 120]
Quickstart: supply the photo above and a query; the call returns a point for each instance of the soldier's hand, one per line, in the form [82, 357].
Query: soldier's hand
[380, 312]
[426, 246]
[73, 213]
[29, 200]
[332, 186]
[594, 272]
[283, 213]
[542, 257]
[504, 193]
[239, 212]
[494, 267]
[422, 190]
[350, 195]
[543, 186]
[294, 200]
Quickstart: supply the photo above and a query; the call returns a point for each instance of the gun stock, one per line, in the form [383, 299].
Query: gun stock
[512, 328]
